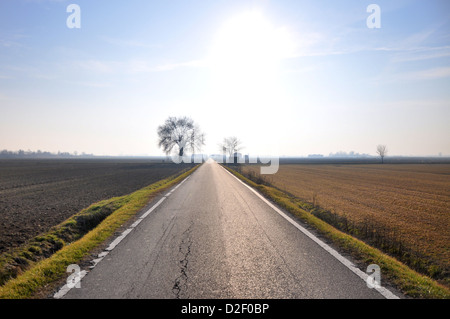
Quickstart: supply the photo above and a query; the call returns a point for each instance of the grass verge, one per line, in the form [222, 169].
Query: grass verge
[407, 280]
[44, 259]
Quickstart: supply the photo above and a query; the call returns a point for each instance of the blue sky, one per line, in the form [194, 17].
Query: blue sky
[286, 77]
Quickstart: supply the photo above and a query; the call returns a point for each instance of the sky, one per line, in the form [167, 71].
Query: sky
[287, 77]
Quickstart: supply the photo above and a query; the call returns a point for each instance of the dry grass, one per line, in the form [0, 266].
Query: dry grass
[42, 274]
[410, 203]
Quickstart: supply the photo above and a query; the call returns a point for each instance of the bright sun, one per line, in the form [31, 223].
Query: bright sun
[247, 51]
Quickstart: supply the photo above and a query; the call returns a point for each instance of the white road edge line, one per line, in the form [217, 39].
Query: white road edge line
[65, 289]
[119, 239]
[153, 208]
[383, 291]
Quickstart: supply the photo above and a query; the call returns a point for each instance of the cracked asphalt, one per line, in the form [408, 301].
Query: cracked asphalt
[213, 238]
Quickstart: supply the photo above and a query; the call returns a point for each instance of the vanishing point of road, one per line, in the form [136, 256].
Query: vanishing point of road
[214, 238]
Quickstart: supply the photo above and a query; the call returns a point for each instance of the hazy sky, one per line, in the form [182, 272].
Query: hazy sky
[286, 77]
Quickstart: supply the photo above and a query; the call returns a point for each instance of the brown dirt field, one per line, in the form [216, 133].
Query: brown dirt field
[410, 200]
[38, 194]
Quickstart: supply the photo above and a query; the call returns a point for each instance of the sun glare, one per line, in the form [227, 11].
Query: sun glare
[247, 51]
[245, 64]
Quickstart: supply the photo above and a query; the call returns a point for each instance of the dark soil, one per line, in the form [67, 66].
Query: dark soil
[38, 194]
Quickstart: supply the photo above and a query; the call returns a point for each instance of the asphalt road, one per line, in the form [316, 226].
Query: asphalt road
[214, 238]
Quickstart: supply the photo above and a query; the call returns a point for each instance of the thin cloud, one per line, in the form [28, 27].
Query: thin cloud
[417, 39]
[8, 44]
[98, 66]
[130, 43]
[431, 74]
[421, 54]
[11, 42]
[414, 47]
[134, 66]
[422, 75]
[28, 72]
[92, 84]
[189, 64]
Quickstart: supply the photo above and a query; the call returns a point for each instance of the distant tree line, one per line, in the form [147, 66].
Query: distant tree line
[349, 154]
[40, 154]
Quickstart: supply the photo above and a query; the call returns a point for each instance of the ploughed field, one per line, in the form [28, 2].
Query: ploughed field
[38, 194]
[408, 204]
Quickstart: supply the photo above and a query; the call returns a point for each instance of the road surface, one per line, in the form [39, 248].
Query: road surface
[212, 237]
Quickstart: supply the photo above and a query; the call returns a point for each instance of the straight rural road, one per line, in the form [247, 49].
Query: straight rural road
[213, 237]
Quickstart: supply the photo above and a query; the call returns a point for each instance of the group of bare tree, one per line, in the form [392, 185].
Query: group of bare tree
[186, 135]
[182, 135]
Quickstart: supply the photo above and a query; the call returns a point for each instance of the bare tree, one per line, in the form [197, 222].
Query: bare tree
[231, 145]
[182, 133]
[382, 151]
[196, 139]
